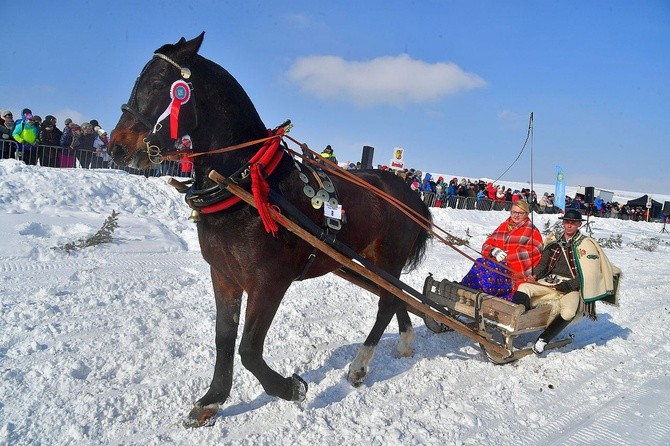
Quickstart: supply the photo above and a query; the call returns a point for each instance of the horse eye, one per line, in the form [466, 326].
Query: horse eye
[158, 85]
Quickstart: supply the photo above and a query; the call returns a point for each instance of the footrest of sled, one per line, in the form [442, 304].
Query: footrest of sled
[520, 353]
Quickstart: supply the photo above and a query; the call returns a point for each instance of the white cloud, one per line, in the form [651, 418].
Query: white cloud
[512, 119]
[390, 80]
[510, 116]
[63, 114]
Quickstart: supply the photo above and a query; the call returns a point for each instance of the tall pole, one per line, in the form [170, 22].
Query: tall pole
[532, 188]
[530, 129]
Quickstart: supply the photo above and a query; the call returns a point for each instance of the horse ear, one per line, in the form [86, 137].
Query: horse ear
[192, 46]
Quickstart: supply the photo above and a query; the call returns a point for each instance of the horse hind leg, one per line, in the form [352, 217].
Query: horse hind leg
[388, 306]
[406, 340]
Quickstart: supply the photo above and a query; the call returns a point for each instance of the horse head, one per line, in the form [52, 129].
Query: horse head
[179, 92]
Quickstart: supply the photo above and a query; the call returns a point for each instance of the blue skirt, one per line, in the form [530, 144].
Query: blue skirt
[487, 276]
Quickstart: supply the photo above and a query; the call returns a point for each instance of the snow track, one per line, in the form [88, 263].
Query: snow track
[113, 344]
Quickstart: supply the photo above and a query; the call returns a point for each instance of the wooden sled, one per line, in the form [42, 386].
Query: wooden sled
[483, 313]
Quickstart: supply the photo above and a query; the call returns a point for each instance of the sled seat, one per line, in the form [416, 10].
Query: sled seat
[505, 316]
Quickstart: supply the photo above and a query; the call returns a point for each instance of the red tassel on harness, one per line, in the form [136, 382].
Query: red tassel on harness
[174, 117]
[269, 156]
[261, 190]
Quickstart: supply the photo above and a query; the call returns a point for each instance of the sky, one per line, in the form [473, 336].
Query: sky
[112, 344]
[453, 83]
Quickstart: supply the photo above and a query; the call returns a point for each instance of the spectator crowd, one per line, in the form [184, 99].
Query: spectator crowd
[35, 140]
[484, 195]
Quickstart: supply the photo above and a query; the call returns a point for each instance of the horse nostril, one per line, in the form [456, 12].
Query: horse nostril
[119, 152]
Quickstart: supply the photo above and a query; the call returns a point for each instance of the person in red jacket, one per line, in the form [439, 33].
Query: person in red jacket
[186, 163]
[513, 249]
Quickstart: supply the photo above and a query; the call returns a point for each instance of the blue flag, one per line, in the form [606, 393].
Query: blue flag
[559, 194]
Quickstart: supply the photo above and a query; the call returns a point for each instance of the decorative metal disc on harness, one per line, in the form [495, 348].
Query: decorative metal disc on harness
[321, 197]
[325, 197]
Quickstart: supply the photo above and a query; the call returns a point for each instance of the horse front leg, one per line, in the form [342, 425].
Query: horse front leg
[261, 308]
[387, 307]
[228, 301]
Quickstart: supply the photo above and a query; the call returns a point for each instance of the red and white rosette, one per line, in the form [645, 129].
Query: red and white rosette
[180, 93]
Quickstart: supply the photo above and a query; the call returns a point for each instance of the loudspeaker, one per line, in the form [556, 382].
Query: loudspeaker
[588, 194]
[366, 159]
[666, 208]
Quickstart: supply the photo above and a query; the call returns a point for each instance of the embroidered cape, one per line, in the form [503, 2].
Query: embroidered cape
[598, 278]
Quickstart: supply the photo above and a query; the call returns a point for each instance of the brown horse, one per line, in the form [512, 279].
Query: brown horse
[216, 112]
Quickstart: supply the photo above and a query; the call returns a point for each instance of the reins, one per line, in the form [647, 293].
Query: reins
[316, 159]
[178, 154]
[419, 219]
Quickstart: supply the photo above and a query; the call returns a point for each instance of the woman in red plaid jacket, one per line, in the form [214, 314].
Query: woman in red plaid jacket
[513, 249]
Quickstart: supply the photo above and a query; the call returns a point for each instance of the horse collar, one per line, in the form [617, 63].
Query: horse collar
[217, 198]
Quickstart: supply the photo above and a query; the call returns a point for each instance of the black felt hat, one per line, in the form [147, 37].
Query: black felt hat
[572, 215]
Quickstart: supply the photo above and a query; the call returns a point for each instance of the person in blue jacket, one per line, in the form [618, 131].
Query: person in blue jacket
[599, 204]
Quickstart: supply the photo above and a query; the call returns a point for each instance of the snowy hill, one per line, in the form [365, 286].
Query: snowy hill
[112, 344]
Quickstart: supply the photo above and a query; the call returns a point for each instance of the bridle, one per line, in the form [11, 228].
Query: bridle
[152, 149]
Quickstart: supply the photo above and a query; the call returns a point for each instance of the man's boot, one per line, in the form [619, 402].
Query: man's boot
[556, 326]
[521, 298]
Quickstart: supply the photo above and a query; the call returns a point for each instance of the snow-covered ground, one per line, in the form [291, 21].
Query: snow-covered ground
[112, 344]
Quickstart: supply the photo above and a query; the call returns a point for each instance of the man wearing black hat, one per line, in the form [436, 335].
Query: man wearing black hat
[574, 271]
[49, 140]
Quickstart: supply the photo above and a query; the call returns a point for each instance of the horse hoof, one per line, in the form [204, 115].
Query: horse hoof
[299, 388]
[406, 353]
[356, 377]
[201, 416]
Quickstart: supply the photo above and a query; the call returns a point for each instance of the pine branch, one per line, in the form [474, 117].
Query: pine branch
[104, 235]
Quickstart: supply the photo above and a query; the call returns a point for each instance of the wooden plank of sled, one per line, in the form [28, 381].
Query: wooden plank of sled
[505, 315]
[498, 311]
[356, 267]
[502, 312]
[534, 319]
[461, 306]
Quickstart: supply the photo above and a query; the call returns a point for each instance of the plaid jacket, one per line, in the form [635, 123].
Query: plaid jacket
[523, 245]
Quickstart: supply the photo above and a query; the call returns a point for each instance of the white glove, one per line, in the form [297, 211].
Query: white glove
[498, 254]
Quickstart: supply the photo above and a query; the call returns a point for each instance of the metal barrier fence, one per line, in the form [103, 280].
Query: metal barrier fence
[485, 204]
[59, 157]
[481, 204]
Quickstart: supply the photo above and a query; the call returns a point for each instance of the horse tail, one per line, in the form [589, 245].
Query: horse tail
[419, 249]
